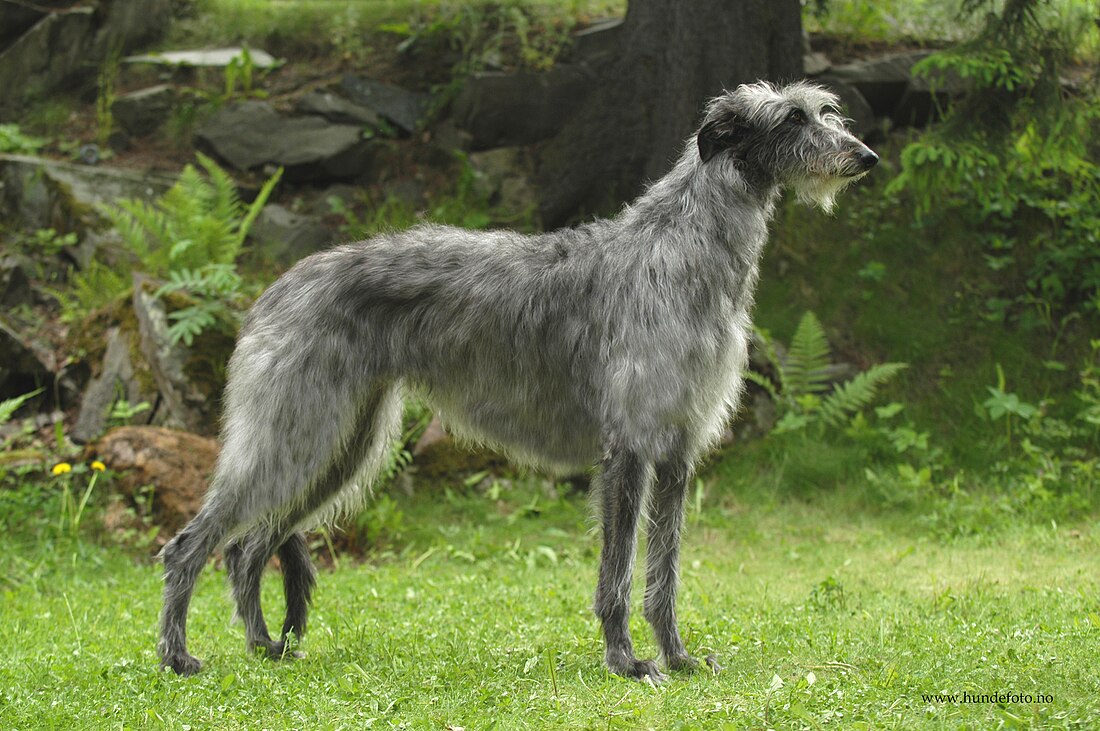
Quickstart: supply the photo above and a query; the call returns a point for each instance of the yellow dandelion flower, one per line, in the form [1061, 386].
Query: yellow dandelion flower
[61, 468]
[98, 466]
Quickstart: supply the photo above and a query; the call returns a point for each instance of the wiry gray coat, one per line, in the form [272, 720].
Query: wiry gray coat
[621, 341]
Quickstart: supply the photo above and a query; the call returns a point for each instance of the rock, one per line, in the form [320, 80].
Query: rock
[447, 136]
[337, 109]
[24, 365]
[212, 57]
[251, 134]
[926, 96]
[16, 18]
[815, 64]
[285, 237]
[596, 42]
[503, 110]
[115, 379]
[143, 111]
[881, 81]
[856, 107]
[176, 464]
[15, 285]
[402, 107]
[893, 92]
[184, 404]
[40, 193]
[756, 417]
[45, 55]
[69, 42]
[437, 457]
[126, 24]
[506, 172]
[345, 193]
[118, 140]
[434, 434]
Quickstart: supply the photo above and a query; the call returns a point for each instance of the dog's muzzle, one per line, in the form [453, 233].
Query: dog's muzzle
[867, 159]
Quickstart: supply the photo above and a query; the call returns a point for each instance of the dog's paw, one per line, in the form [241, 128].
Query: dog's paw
[643, 670]
[687, 663]
[275, 650]
[181, 664]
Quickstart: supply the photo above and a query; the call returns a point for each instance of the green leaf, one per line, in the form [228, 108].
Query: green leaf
[889, 410]
[791, 422]
[8, 407]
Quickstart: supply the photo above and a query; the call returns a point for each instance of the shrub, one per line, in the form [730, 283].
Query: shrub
[1015, 156]
[190, 236]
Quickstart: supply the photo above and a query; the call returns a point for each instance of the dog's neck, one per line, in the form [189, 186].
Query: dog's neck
[693, 200]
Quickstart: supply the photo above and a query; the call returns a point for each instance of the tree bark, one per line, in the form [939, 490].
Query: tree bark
[674, 56]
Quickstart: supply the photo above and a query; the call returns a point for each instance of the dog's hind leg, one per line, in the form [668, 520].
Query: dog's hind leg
[245, 558]
[623, 485]
[184, 556]
[353, 465]
[299, 578]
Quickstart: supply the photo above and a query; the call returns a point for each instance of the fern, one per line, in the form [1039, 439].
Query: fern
[199, 220]
[851, 396]
[214, 288]
[806, 369]
[191, 236]
[190, 322]
[96, 286]
[800, 388]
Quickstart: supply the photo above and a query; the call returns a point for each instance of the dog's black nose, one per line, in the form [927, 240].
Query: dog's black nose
[867, 158]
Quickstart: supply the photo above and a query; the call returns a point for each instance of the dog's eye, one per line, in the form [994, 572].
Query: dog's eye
[796, 116]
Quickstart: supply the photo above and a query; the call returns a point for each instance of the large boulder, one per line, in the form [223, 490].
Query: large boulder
[506, 109]
[15, 281]
[40, 50]
[16, 18]
[251, 134]
[24, 364]
[175, 463]
[40, 193]
[595, 43]
[117, 376]
[336, 108]
[285, 236]
[855, 106]
[143, 111]
[882, 81]
[404, 108]
[188, 380]
[893, 91]
[927, 96]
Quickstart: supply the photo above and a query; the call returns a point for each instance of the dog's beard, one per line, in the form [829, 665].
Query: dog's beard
[822, 190]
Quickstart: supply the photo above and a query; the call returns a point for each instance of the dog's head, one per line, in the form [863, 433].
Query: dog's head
[787, 136]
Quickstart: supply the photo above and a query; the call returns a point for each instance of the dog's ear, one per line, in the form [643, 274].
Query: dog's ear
[719, 135]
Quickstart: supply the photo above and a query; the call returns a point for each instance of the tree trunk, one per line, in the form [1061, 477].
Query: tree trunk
[675, 55]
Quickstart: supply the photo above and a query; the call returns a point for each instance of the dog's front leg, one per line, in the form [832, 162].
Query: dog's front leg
[623, 486]
[666, 521]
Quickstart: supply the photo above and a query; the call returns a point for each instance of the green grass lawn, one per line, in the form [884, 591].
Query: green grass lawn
[823, 615]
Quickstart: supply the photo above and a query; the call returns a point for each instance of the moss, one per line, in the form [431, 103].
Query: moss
[208, 358]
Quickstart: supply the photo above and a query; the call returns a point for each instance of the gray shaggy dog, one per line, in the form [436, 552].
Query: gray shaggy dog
[621, 341]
